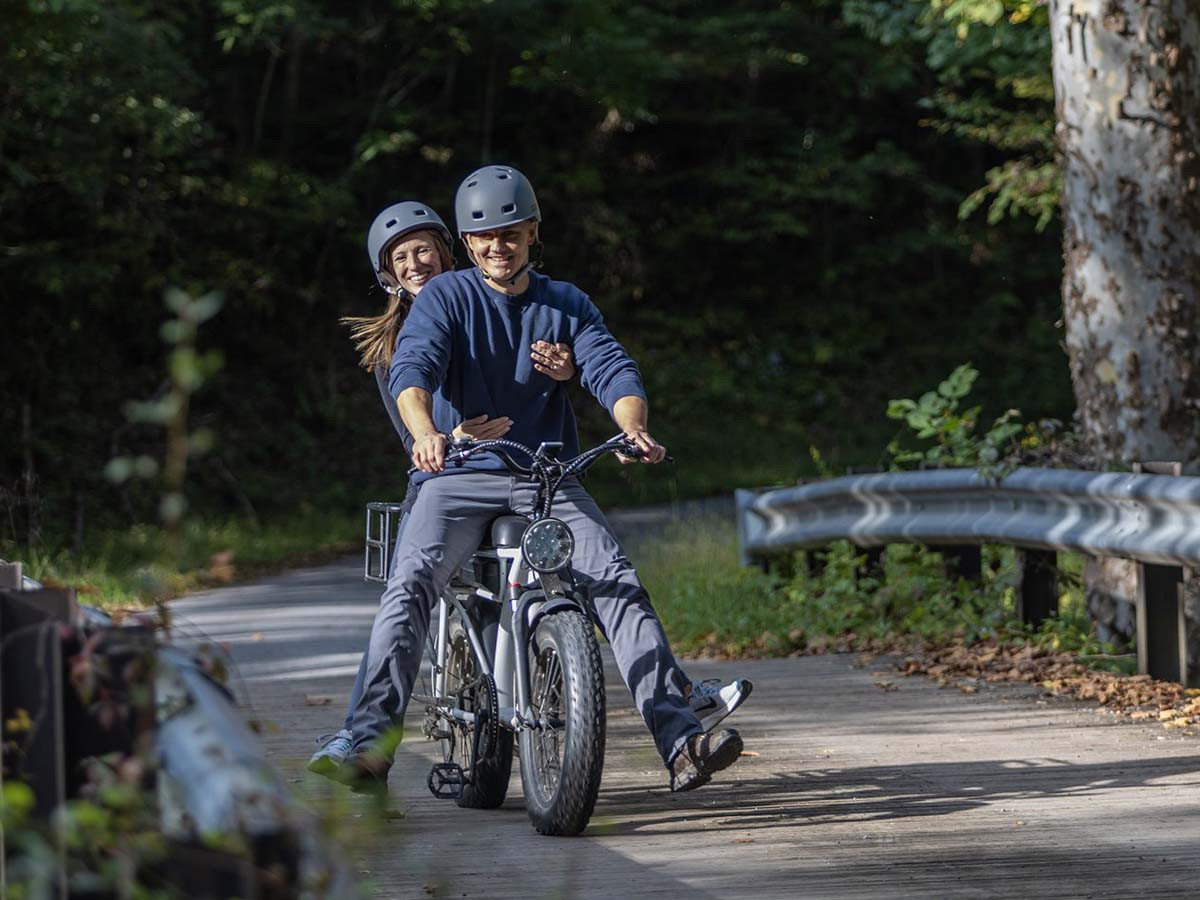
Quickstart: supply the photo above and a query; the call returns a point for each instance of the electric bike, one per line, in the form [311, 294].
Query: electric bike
[514, 663]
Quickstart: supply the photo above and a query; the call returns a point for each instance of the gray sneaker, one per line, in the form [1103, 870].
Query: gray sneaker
[332, 754]
[712, 701]
[702, 756]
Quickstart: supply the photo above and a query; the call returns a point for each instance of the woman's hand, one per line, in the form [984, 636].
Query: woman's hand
[481, 428]
[554, 360]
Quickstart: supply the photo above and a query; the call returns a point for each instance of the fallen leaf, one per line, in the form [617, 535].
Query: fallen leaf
[317, 699]
[968, 688]
[743, 840]
[886, 686]
[748, 753]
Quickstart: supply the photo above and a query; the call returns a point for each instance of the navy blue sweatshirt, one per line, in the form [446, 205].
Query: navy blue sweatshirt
[469, 346]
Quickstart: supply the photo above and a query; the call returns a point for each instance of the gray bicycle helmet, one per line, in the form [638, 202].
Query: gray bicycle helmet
[492, 197]
[394, 221]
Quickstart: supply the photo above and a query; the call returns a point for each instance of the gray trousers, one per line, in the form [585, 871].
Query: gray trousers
[450, 516]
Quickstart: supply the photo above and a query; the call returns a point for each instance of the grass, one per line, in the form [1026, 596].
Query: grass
[136, 567]
[710, 605]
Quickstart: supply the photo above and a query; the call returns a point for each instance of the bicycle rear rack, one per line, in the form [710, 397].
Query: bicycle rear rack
[383, 520]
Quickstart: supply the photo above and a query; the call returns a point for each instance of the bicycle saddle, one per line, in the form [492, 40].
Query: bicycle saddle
[507, 530]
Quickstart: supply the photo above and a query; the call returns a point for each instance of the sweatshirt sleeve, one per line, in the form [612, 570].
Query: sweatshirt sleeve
[423, 348]
[605, 369]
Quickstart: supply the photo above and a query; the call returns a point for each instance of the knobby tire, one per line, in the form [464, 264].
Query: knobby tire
[560, 797]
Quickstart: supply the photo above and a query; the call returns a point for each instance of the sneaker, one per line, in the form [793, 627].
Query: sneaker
[712, 701]
[333, 752]
[702, 756]
[364, 772]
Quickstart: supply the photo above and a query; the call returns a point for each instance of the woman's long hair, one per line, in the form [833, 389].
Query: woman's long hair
[375, 336]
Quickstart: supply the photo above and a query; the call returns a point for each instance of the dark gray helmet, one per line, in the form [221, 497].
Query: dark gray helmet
[492, 197]
[395, 220]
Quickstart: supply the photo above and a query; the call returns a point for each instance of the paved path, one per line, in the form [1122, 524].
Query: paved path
[856, 792]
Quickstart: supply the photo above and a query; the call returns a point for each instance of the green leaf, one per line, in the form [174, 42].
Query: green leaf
[119, 469]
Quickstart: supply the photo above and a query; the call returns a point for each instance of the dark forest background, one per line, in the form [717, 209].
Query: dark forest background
[789, 212]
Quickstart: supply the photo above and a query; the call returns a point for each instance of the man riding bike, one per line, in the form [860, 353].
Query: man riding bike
[461, 354]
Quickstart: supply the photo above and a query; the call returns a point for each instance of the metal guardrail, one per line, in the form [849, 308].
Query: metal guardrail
[213, 778]
[1153, 519]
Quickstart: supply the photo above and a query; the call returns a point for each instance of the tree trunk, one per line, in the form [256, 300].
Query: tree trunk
[1127, 84]
[1127, 88]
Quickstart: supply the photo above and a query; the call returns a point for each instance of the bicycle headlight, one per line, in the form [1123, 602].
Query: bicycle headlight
[547, 545]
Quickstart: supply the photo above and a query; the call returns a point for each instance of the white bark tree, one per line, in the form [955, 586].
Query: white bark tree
[1127, 90]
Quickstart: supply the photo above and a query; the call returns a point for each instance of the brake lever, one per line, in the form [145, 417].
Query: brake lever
[457, 452]
[636, 452]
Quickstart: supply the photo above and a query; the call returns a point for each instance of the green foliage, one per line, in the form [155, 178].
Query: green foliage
[747, 192]
[187, 371]
[990, 60]
[936, 416]
[710, 604]
[132, 567]
[104, 840]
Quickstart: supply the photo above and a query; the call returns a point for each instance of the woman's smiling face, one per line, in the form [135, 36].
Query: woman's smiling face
[415, 259]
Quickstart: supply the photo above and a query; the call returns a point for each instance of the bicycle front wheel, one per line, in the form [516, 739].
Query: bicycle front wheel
[562, 758]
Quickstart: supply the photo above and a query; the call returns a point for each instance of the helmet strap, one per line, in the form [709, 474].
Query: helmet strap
[389, 282]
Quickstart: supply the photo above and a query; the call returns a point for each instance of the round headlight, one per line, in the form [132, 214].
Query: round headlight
[548, 545]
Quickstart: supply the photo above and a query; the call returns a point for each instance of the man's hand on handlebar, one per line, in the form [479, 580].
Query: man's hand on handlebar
[429, 452]
[650, 450]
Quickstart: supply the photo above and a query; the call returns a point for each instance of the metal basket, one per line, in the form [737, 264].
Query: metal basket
[383, 521]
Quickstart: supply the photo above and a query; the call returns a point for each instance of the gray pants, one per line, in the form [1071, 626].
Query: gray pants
[447, 521]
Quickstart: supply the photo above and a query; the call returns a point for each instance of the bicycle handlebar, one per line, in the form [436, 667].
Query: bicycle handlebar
[462, 449]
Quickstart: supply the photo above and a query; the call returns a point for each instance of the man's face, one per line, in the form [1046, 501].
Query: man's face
[501, 253]
[414, 260]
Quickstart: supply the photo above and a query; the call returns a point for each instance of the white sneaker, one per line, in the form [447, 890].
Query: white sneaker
[332, 754]
[712, 701]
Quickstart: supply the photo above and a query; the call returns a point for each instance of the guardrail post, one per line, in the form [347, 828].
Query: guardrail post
[962, 560]
[1161, 619]
[31, 697]
[10, 576]
[872, 565]
[1161, 627]
[1037, 592]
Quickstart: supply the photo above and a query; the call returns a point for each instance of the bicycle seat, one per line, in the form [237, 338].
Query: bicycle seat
[506, 531]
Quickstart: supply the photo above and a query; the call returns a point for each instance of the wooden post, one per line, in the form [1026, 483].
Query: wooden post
[1161, 621]
[962, 560]
[31, 698]
[1037, 594]
[11, 576]
[1161, 629]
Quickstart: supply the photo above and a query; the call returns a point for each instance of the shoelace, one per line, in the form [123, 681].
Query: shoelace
[329, 736]
[706, 688]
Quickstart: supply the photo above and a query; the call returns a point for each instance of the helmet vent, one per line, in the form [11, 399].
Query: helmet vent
[391, 223]
[472, 183]
[419, 212]
[502, 176]
[508, 207]
[477, 214]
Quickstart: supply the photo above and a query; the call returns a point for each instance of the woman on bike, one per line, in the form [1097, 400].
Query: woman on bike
[409, 245]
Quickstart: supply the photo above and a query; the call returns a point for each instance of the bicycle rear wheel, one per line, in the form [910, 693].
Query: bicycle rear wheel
[490, 771]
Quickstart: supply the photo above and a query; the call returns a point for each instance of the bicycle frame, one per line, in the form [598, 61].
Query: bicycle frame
[534, 594]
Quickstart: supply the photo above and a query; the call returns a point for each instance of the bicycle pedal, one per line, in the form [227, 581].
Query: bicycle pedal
[447, 780]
